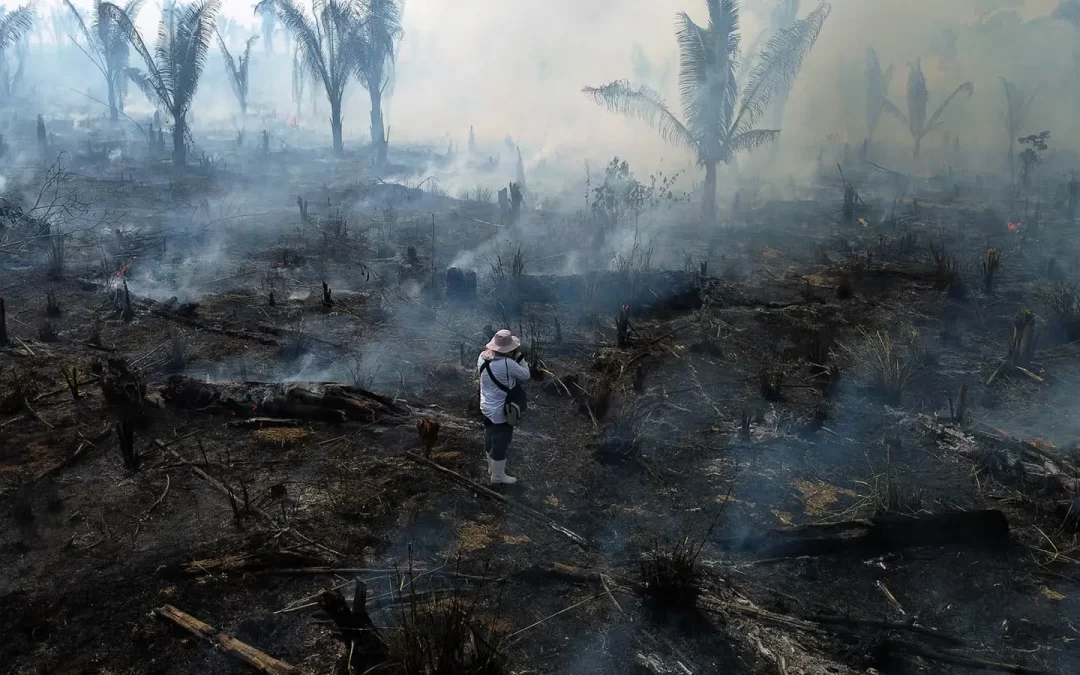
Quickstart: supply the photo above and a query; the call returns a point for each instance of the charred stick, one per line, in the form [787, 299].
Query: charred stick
[61, 390]
[487, 492]
[960, 660]
[254, 658]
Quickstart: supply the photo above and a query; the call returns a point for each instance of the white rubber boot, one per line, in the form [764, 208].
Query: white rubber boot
[498, 473]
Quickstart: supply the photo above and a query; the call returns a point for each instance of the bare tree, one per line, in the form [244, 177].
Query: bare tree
[1017, 106]
[917, 98]
[172, 76]
[107, 48]
[719, 120]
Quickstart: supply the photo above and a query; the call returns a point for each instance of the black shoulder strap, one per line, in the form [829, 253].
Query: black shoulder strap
[500, 385]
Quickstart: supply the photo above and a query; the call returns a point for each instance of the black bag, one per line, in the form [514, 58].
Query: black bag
[516, 400]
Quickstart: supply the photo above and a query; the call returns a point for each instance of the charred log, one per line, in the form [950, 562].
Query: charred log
[878, 535]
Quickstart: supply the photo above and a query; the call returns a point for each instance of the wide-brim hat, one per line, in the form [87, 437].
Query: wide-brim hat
[503, 342]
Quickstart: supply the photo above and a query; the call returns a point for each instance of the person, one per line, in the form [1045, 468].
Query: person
[502, 360]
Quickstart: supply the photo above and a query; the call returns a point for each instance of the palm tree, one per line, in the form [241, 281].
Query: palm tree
[719, 120]
[238, 72]
[14, 26]
[107, 48]
[269, 24]
[172, 72]
[877, 90]
[1016, 110]
[380, 34]
[917, 97]
[330, 46]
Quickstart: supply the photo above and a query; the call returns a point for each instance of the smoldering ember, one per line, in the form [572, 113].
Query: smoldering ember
[477, 337]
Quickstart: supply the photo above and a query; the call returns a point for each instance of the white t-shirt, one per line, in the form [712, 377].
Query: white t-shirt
[509, 373]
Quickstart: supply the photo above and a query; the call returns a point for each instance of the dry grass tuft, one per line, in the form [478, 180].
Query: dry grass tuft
[442, 632]
[884, 364]
[280, 437]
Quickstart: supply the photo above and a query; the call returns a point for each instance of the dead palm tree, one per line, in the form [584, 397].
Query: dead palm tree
[1016, 110]
[14, 26]
[917, 98]
[173, 70]
[330, 45]
[877, 90]
[719, 121]
[107, 48]
[381, 31]
[237, 71]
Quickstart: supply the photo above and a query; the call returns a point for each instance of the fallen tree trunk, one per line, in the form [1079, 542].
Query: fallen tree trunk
[294, 401]
[878, 535]
[1010, 460]
[254, 658]
[911, 649]
[161, 310]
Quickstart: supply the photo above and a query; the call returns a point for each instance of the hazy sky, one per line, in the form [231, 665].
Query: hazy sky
[515, 67]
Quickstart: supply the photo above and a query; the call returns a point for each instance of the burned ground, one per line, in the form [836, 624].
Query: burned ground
[680, 495]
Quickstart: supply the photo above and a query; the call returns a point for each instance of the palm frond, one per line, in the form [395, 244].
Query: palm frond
[245, 62]
[381, 33]
[151, 80]
[15, 25]
[195, 28]
[917, 98]
[305, 31]
[935, 121]
[144, 84]
[231, 69]
[778, 65]
[1017, 106]
[133, 7]
[888, 107]
[750, 140]
[707, 84]
[876, 89]
[91, 43]
[645, 104]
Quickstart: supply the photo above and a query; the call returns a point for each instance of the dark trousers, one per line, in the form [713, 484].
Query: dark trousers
[497, 439]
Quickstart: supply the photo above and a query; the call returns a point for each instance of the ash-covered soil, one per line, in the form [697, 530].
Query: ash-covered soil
[682, 495]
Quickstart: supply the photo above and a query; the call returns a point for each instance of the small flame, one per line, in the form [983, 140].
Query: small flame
[123, 270]
[1013, 227]
[863, 222]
